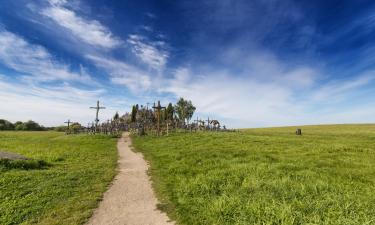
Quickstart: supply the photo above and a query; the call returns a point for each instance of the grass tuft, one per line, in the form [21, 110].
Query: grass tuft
[7, 164]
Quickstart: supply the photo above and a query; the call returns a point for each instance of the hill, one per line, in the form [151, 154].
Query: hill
[266, 176]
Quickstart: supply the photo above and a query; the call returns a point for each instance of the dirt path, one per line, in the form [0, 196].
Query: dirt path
[130, 200]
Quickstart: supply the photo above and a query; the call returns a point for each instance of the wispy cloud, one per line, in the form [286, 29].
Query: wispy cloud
[90, 31]
[48, 105]
[219, 94]
[153, 54]
[122, 73]
[34, 61]
[337, 90]
[290, 97]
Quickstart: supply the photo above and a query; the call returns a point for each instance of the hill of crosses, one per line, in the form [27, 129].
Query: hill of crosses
[148, 119]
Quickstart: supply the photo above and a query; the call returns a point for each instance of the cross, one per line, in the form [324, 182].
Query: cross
[208, 122]
[158, 108]
[68, 122]
[97, 112]
[197, 120]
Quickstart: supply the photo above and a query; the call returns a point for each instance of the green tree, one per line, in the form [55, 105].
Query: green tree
[6, 125]
[184, 109]
[169, 111]
[32, 126]
[134, 113]
[116, 116]
[19, 125]
[75, 127]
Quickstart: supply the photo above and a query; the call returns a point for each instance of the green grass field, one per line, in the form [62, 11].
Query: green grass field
[66, 190]
[266, 176]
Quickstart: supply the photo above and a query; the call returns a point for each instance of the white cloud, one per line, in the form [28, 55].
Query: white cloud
[337, 90]
[89, 31]
[34, 60]
[50, 105]
[153, 54]
[57, 2]
[223, 96]
[123, 73]
[289, 98]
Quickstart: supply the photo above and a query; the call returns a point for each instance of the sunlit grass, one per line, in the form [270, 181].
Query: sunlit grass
[67, 189]
[266, 176]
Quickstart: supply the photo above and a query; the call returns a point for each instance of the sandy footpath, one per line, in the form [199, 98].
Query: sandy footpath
[130, 200]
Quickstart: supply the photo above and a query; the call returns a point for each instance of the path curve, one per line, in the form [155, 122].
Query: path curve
[130, 200]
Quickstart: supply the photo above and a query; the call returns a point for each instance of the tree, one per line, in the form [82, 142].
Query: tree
[6, 125]
[184, 109]
[19, 126]
[116, 116]
[75, 127]
[31, 125]
[134, 113]
[169, 111]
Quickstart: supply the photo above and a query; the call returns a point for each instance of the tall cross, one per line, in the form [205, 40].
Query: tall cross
[68, 122]
[158, 108]
[98, 107]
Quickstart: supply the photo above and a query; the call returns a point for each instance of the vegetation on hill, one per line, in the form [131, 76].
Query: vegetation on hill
[182, 111]
[61, 183]
[266, 176]
[24, 126]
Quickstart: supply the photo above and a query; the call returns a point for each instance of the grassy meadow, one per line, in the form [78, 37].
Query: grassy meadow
[63, 182]
[266, 176]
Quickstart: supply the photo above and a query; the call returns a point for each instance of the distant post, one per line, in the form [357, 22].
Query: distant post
[298, 131]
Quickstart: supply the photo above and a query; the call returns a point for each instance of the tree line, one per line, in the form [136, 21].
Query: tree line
[25, 126]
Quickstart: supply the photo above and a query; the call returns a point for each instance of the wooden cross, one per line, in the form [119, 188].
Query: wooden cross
[97, 112]
[68, 122]
[158, 108]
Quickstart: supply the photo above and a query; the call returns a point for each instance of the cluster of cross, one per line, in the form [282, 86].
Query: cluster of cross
[147, 121]
[207, 125]
[153, 123]
[110, 127]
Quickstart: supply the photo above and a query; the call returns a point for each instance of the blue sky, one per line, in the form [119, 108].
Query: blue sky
[247, 63]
